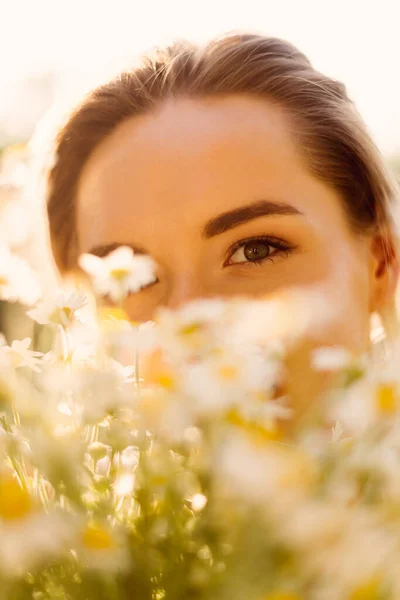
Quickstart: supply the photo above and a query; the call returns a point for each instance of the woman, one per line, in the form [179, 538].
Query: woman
[241, 170]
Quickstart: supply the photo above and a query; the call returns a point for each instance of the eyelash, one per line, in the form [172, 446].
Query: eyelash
[281, 247]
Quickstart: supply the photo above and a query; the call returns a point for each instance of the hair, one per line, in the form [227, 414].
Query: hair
[331, 137]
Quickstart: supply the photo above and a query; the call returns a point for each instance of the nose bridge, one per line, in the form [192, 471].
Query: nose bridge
[184, 286]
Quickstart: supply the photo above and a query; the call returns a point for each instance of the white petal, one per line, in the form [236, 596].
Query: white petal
[21, 345]
[120, 258]
[331, 358]
[92, 265]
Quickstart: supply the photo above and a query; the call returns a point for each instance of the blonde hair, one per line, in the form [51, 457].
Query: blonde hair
[329, 132]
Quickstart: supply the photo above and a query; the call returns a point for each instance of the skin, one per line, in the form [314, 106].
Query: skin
[159, 180]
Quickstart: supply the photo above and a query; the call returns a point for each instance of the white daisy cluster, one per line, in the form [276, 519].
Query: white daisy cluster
[170, 460]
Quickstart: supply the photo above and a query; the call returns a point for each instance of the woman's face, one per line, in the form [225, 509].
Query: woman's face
[216, 192]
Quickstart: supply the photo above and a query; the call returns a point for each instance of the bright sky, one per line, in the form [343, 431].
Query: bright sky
[357, 41]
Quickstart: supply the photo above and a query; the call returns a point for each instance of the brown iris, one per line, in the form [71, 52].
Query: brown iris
[254, 251]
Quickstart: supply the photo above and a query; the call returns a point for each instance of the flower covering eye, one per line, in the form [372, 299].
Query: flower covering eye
[119, 273]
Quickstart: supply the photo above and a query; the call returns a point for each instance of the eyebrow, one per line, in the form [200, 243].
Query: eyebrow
[243, 214]
[220, 224]
[105, 249]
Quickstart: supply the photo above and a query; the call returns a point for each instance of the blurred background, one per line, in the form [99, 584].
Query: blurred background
[53, 51]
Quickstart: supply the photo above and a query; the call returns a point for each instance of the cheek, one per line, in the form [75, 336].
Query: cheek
[142, 306]
[344, 317]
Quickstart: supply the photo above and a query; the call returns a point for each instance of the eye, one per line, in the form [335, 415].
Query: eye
[257, 250]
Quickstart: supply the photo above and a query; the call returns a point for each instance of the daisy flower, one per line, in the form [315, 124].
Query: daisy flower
[63, 309]
[18, 282]
[194, 329]
[102, 548]
[28, 535]
[19, 355]
[119, 273]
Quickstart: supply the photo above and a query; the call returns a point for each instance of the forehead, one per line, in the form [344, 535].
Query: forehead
[193, 158]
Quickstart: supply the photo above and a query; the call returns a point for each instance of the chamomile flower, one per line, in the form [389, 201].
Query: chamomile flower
[101, 548]
[261, 471]
[119, 273]
[194, 329]
[222, 380]
[63, 309]
[365, 404]
[32, 540]
[18, 282]
[98, 389]
[19, 355]
[29, 536]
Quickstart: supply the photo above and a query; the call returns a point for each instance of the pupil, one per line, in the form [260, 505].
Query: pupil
[256, 250]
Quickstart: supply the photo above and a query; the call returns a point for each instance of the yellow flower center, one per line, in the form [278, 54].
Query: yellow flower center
[116, 312]
[190, 329]
[67, 311]
[367, 591]
[96, 537]
[258, 434]
[15, 502]
[119, 274]
[228, 372]
[165, 380]
[55, 316]
[386, 399]
[156, 371]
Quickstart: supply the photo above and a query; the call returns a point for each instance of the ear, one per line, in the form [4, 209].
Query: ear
[384, 274]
